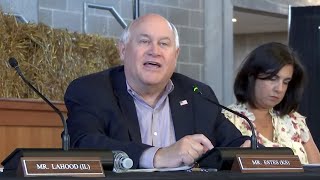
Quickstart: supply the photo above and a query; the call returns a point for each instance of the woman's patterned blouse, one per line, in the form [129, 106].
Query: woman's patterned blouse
[288, 131]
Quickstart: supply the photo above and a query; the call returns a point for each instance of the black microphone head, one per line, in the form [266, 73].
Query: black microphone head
[13, 62]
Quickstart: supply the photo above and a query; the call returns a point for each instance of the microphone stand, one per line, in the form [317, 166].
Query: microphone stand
[65, 137]
[227, 154]
[12, 161]
[254, 141]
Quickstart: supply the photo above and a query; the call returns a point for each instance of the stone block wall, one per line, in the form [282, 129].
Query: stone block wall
[187, 15]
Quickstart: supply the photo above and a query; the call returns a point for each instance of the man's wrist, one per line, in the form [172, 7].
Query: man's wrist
[147, 158]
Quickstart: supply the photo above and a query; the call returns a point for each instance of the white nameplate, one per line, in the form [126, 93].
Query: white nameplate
[267, 163]
[62, 166]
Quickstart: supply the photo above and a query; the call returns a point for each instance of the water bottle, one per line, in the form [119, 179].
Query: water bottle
[121, 162]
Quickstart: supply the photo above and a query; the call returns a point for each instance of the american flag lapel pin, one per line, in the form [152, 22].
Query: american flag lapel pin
[184, 102]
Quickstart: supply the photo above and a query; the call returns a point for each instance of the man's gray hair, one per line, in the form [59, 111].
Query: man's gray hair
[125, 36]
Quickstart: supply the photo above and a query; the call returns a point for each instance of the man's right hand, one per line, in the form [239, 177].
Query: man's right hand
[183, 152]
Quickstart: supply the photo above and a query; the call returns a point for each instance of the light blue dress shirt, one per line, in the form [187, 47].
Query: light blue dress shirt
[156, 126]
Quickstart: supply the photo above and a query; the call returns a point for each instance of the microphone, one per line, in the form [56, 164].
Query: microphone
[224, 156]
[65, 137]
[117, 161]
[254, 141]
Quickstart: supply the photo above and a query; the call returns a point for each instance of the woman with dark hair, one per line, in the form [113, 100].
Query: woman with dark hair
[268, 89]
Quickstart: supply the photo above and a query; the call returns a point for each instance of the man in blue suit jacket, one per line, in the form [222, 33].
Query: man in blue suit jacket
[143, 107]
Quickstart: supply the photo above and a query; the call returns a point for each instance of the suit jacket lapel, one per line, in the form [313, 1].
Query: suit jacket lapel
[126, 104]
[180, 106]
[181, 111]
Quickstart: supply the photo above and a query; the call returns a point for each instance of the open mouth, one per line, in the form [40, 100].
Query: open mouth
[152, 64]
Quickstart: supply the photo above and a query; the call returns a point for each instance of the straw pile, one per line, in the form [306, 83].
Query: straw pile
[49, 58]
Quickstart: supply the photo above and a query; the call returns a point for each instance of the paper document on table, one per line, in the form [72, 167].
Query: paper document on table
[181, 168]
[311, 165]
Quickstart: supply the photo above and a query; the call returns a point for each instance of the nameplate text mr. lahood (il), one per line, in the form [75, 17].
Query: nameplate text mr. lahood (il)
[62, 166]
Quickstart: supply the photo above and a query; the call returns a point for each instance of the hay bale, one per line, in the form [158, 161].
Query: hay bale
[49, 58]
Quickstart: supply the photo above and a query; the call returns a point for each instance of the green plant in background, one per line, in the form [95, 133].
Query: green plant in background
[50, 58]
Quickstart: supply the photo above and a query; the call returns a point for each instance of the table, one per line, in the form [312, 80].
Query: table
[182, 175]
